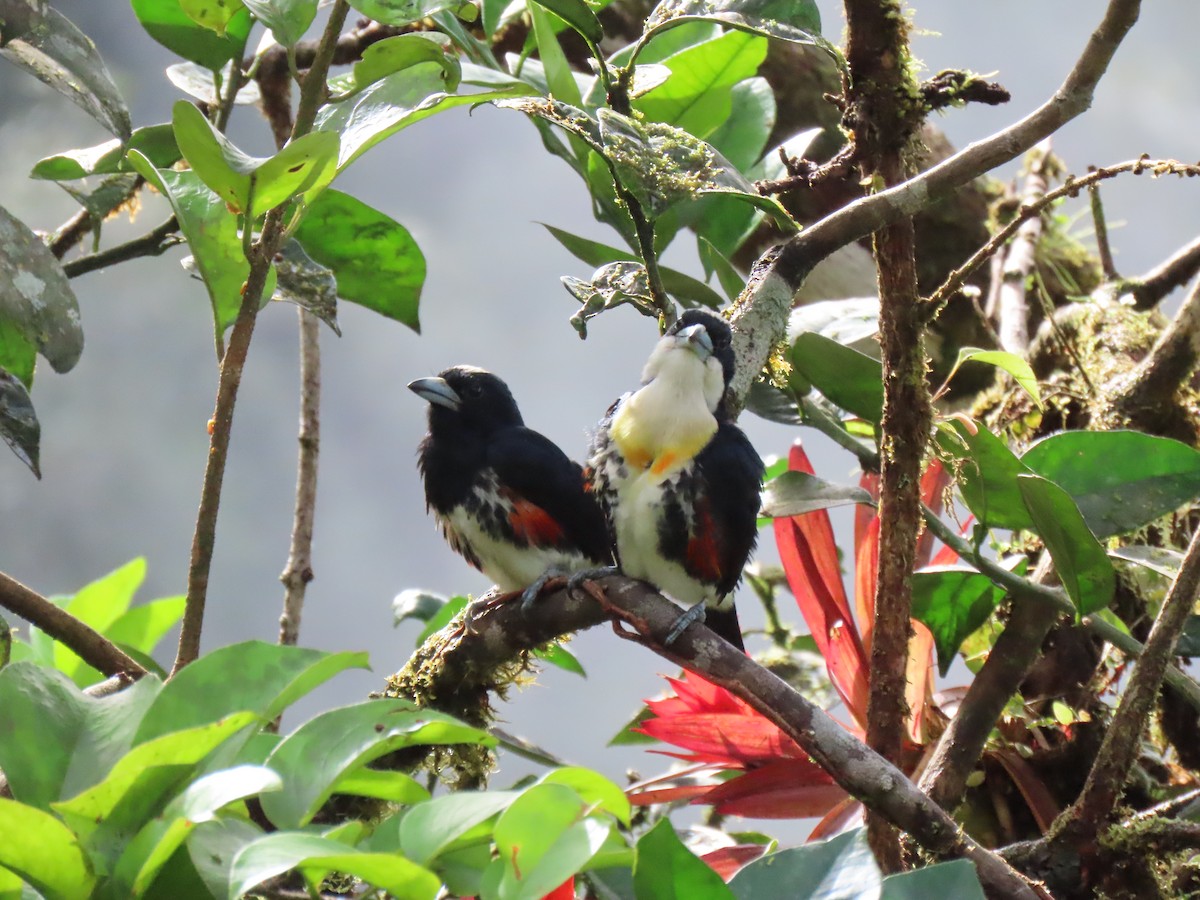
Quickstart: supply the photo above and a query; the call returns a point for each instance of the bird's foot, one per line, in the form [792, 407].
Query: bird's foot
[576, 580]
[531, 593]
[692, 614]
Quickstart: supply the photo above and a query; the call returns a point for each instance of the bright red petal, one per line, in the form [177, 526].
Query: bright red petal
[782, 790]
[849, 671]
[836, 819]
[919, 675]
[933, 489]
[565, 891]
[866, 578]
[723, 739]
[669, 795]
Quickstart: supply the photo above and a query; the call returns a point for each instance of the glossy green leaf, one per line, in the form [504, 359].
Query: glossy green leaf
[44, 852]
[394, 103]
[1082, 565]
[697, 96]
[54, 740]
[851, 380]
[395, 787]
[559, 656]
[1161, 560]
[717, 263]
[35, 297]
[213, 846]
[954, 880]
[543, 838]
[560, 78]
[797, 493]
[99, 605]
[595, 790]
[988, 476]
[204, 84]
[402, 12]
[798, 21]
[274, 854]
[146, 624]
[167, 23]
[18, 422]
[393, 54]
[1014, 365]
[131, 791]
[212, 235]
[47, 44]
[841, 867]
[413, 603]
[430, 828]
[773, 404]
[609, 287]
[743, 135]
[311, 764]
[270, 679]
[247, 183]
[667, 870]
[287, 19]
[453, 607]
[374, 258]
[578, 15]
[152, 847]
[156, 142]
[1121, 480]
[211, 14]
[952, 602]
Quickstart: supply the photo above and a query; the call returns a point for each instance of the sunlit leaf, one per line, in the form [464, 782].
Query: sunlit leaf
[797, 21]
[402, 12]
[840, 867]
[578, 15]
[1082, 565]
[796, 493]
[44, 852]
[156, 142]
[306, 283]
[848, 378]
[395, 53]
[988, 476]
[667, 870]
[167, 23]
[429, 828]
[197, 81]
[211, 14]
[287, 19]
[957, 879]
[952, 602]
[1014, 365]
[559, 76]
[375, 260]
[45, 43]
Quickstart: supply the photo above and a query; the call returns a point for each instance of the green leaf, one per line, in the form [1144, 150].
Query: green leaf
[609, 287]
[156, 142]
[1121, 480]
[374, 258]
[211, 14]
[667, 870]
[716, 262]
[441, 619]
[797, 21]
[543, 838]
[311, 764]
[429, 829]
[152, 847]
[270, 679]
[274, 854]
[306, 283]
[1189, 639]
[252, 184]
[1082, 565]
[144, 626]
[393, 54]
[394, 103]
[47, 45]
[953, 602]
[1161, 560]
[131, 791]
[797, 493]
[578, 15]
[697, 96]
[956, 879]
[687, 290]
[596, 790]
[988, 478]
[18, 422]
[167, 23]
[851, 380]
[841, 867]
[287, 19]
[557, 655]
[44, 852]
[560, 79]
[395, 787]
[413, 603]
[1014, 365]
[54, 740]
[213, 846]
[18, 354]
[212, 235]
[744, 133]
[35, 296]
[402, 12]
[99, 605]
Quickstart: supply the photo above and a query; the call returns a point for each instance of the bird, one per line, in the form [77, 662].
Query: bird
[679, 482]
[507, 498]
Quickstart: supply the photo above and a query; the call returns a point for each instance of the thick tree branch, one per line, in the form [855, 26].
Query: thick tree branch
[1174, 273]
[262, 252]
[761, 317]
[1012, 304]
[92, 647]
[1169, 364]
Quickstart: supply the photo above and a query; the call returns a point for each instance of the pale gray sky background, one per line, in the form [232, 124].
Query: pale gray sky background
[123, 435]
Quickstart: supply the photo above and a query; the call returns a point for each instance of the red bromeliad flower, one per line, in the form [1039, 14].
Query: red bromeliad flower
[721, 731]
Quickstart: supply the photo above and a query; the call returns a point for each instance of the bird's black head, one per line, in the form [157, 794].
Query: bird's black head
[467, 399]
[719, 335]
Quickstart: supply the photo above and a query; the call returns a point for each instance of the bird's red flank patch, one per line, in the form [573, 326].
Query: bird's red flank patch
[704, 546]
[532, 525]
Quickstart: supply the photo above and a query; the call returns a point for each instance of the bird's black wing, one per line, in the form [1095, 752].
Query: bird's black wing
[550, 504]
[726, 504]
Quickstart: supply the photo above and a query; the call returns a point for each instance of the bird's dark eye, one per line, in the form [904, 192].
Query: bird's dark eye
[474, 389]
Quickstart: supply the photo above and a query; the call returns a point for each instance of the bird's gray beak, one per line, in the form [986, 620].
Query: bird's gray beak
[436, 391]
[696, 339]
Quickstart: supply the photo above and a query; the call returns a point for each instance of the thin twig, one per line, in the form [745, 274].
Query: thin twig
[1082, 822]
[64, 238]
[1100, 223]
[262, 253]
[92, 647]
[153, 243]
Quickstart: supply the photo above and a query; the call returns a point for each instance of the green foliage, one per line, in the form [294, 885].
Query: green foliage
[851, 380]
[168, 23]
[952, 602]
[797, 493]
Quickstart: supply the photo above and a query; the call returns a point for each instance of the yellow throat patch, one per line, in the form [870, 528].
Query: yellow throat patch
[660, 441]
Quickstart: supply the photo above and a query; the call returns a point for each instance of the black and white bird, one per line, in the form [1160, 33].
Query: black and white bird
[678, 480]
[507, 499]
